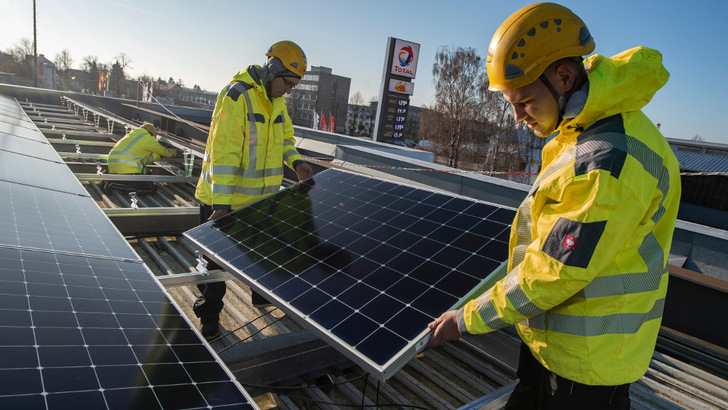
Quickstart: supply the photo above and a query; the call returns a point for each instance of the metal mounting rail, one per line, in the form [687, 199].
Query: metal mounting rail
[134, 177]
[194, 278]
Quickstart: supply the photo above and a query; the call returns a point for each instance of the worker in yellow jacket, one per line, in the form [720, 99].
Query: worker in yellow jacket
[587, 269]
[131, 155]
[250, 140]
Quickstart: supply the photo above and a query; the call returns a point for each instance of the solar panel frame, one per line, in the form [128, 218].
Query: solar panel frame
[304, 275]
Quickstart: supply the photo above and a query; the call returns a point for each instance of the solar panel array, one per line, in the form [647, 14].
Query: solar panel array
[83, 323]
[363, 262]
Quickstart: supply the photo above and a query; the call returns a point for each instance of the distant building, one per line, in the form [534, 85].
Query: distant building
[360, 119]
[321, 92]
[197, 97]
[360, 122]
[46, 71]
[167, 92]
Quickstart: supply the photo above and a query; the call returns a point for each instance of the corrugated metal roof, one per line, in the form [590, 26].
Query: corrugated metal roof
[698, 162]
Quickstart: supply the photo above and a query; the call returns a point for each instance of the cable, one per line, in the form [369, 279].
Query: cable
[191, 124]
[364, 390]
[314, 386]
[251, 335]
[400, 405]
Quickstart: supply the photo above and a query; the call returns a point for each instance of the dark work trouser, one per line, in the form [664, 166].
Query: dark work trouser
[538, 388]
[124, 187]
[208, 306]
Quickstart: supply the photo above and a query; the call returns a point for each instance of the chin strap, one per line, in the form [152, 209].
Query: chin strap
[562, 99]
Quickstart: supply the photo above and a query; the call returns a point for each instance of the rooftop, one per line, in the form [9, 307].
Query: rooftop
[277, 359]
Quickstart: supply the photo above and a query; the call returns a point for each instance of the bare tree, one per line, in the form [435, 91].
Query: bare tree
[21, 49]
[124, 61]
[697, 137]
[63, 62]
[90, 66]
[459, 75]
[356, 99]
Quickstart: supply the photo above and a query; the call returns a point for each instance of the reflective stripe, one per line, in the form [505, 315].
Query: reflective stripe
[624, 284]
[523, 218]
[630, 283]
[252, 135]
[488, 313]
[123, 161]
[616, 324]
[245, 173]
[649, 159]
[224, 170]
[264, 190]
[134, 141]
[518, 298]
[223, 189]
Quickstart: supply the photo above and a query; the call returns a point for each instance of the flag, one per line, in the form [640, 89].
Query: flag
[323, 122]
[101, 80]
[316, 119]
[331, 123]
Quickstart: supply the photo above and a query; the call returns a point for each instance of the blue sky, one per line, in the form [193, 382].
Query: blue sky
[206, 42]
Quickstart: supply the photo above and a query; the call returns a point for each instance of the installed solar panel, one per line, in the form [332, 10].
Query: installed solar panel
[38, 149]
[365, 263]
[57, 221]
[98, 333]
[83, 323]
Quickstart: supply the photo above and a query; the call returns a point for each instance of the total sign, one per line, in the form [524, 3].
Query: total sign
[404, 60]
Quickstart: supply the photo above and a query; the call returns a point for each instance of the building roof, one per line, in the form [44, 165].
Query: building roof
[701, 162]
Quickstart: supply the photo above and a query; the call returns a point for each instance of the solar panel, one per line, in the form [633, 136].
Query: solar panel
[83, 322]
[363, 262]
[38, 149]
[57, 221]
[98, 333]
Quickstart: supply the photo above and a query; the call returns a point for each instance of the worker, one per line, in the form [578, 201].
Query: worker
[250, 139]
[131, 155]
[587, 268]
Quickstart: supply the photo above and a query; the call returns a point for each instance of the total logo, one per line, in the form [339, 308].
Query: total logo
[405, 56]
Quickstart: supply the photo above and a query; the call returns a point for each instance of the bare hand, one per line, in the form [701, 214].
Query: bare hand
[217, 213]
[303, 171]
[445, 329]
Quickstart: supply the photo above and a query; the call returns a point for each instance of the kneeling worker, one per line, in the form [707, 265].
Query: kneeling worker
[131, 155]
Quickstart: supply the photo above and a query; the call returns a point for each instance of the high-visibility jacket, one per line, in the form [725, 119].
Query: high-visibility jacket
[135, 151]
[587, 270]
[250, 138]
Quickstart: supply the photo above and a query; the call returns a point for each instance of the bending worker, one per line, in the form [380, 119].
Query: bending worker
[587, 268]
[131, 155]
[251, 137]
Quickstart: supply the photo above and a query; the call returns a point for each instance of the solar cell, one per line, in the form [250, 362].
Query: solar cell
[37, 149]
[363, 262]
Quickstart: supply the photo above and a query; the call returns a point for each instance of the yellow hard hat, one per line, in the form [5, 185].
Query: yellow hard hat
[531, 39]
[150, 129]
[292, 56]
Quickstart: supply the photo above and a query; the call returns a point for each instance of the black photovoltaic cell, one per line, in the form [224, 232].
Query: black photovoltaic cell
[28, 170]
[38, 149]
[100, 332]
[366, 263]
[83, 323]
[58, 221]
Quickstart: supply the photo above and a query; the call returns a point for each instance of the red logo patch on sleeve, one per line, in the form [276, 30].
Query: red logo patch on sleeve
[570, 242]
